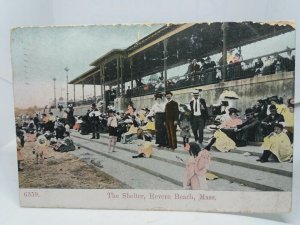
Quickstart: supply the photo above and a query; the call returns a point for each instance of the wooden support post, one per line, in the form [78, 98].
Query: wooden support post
[82, 91]
[165, 62]
[94, 82]
[224, 54]
[118, 77]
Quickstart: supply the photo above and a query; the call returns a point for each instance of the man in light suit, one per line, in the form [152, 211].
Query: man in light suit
[199, 116]
[172, 114]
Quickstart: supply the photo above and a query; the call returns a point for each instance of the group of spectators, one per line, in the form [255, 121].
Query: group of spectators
[206, 71]
[269, 121]
[164, 118]
[48, 132]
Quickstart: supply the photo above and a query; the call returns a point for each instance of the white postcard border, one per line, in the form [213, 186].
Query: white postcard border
[180, 200]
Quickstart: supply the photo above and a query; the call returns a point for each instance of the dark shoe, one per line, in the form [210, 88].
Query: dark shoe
[258, 160]
[264, 160]
[92, 138]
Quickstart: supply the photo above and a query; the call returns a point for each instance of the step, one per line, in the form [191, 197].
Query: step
[124, 173]
[253, 150]
[236, 157]
[146, 165]
[262, 180]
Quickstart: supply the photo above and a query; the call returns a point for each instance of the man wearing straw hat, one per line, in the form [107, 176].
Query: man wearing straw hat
[199, 116]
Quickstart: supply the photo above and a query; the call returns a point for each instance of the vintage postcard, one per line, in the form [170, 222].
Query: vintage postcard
[188, 117]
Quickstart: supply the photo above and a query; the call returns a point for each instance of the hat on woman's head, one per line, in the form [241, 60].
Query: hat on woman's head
[272, 107]
[233, 110]
[207, 58]
[128, 121]
[278, 125]
[158, 95]
[148, 137]
[194, 148]
[248, 111]
[212, 127]
[169, 93]
[291, 102]
[273, 98]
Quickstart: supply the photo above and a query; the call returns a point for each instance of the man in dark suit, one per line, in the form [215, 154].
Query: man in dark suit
[194, 71]
[172, 114]
[95, 121]
[199, 116]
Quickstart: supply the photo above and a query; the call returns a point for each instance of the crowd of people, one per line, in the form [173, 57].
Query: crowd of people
[47, 132]
[167, 116]
[269, 121]
[206, 71]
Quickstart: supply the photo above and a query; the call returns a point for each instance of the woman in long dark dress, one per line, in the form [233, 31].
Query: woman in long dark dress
[158, 109]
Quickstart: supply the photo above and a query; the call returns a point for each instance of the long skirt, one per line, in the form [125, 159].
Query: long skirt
[160, 135]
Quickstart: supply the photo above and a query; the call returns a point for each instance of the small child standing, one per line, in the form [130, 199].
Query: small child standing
[112, 124]
[185, 124]
[40, 149]
[194, 176]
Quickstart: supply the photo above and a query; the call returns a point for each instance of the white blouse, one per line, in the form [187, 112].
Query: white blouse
[158, 107]
[112, 121]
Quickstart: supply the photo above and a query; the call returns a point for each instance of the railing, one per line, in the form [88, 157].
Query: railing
[272, 64]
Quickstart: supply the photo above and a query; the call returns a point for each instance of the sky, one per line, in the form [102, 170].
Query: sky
[41, 53]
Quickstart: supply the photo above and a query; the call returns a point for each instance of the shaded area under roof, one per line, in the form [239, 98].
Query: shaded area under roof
[185, 41]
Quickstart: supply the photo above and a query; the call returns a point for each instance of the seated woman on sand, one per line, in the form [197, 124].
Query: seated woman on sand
[277, 144]
[64, 145]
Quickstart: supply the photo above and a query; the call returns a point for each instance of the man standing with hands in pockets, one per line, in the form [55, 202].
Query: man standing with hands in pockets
[172, 114]
[199, 116]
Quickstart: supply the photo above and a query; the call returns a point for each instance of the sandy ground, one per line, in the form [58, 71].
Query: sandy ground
[62, 170]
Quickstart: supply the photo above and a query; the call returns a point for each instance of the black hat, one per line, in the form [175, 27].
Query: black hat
[273, 107]
[278, 125]
[233, 110]
[207, 58]
[93, 105]
[248, 111]
[291, 103]
[194, 148]
[274, 98]
[169, 93]
[225, 103]
[148, 137]
[158, 95]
